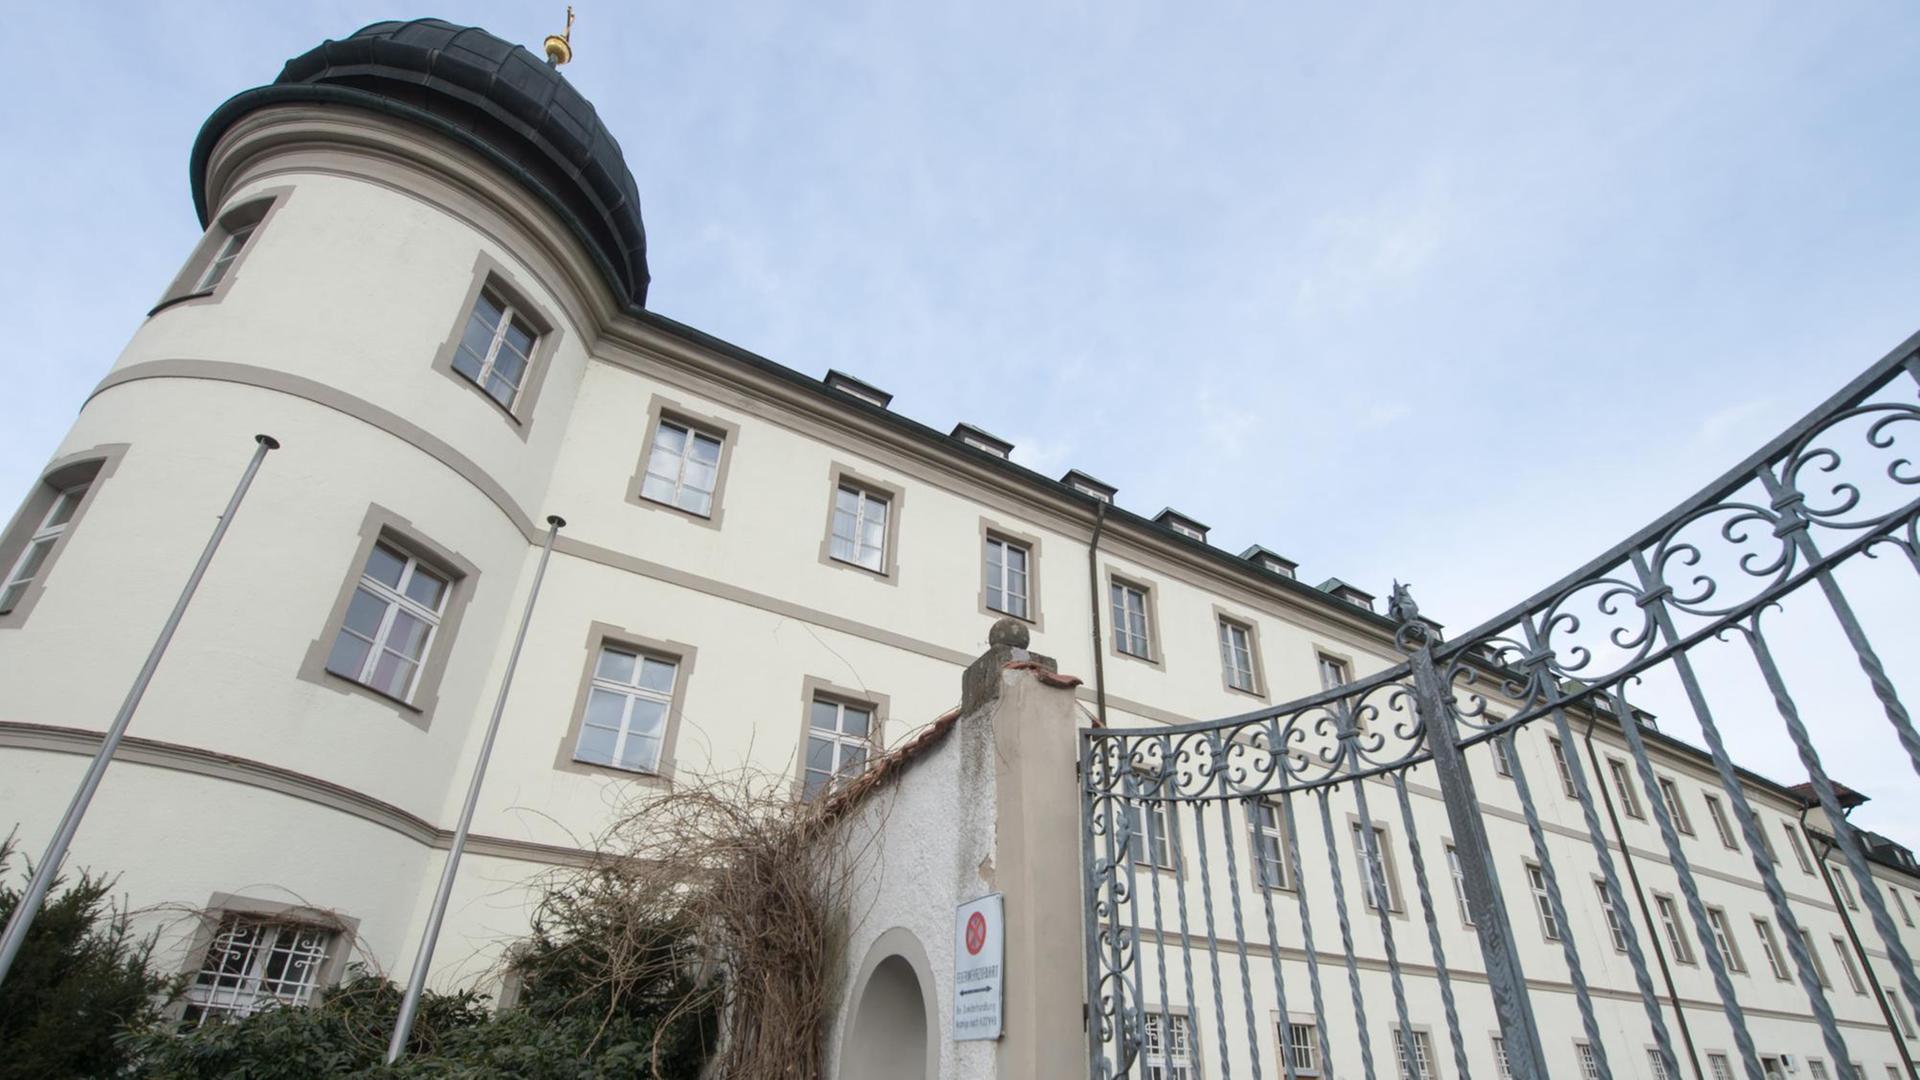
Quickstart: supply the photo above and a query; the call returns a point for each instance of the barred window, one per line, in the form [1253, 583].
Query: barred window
[1657, 1066]
[1421, 1068]
[1589, 1061]
[1722, 1069]
[254, 964]
[1168, 1052]
[1504, 1067]
[1301, 1044]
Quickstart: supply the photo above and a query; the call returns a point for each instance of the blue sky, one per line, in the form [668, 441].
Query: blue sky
[1458, 294]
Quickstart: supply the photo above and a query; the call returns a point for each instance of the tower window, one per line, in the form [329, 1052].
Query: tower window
[496, 349]
[215, 261]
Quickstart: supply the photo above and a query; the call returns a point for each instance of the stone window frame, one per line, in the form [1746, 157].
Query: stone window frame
[1677, 943]
[1194, 1040]
[993, 530]
[1433, 1051]
[463, 577]
[813, 687]
[1388, 863]
[92, 467]
[1282, 1023]
[1734, 960]
[1542, 899]
[1256, 834]
[256, 208]
[1176, 854]
[1252, 627]
[345, 930]
[600, 634]
[896, 497]
[491, 272]
[1151, 593]
[660, 408]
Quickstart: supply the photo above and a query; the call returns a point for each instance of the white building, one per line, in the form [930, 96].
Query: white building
[424, 272]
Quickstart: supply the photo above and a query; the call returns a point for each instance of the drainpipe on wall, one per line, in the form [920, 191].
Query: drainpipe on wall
[1093, 605]
[1601, 777]
[1853, 937]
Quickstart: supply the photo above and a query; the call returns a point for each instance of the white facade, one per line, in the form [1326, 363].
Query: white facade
[253, 774]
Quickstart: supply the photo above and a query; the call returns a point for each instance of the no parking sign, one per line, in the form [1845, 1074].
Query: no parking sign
[979, 950]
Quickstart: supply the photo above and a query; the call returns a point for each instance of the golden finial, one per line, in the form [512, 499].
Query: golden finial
[560, 46]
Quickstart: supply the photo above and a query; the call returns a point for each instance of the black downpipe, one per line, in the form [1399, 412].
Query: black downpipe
[1600, 780]
[1093, 603]
[1820, 853]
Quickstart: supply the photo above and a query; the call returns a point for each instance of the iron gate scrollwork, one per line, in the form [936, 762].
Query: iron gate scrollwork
[1216, 853]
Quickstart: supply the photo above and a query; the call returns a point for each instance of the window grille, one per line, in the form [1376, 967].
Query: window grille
[254, 964]
[1168, 1054]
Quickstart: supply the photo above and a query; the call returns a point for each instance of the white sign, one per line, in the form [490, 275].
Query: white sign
[979, 950]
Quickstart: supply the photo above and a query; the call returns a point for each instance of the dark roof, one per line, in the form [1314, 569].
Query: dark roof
[491, 95]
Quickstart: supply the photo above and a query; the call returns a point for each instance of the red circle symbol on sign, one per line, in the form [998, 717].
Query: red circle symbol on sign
[976, 933]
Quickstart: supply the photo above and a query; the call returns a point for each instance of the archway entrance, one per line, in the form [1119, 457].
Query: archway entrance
[888, 1040]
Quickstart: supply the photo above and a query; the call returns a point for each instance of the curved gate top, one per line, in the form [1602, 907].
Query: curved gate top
[1489, 857]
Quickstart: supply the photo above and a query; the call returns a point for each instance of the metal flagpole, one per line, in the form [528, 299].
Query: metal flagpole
[43, 874]
[410, 1005]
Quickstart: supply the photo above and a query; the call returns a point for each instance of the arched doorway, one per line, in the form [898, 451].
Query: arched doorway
[890, 1034]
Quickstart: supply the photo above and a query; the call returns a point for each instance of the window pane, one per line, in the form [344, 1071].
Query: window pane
[656, 675]
[648, 717]
[35, 558]
[520, 338]
[499, 389]
[616, 666]
[475, 343]
[825, 716]
[819, 755]
[393, 674]
[385, 564]
[696, 501]
[365, 612]
[487, 311]
[656, 487]
[408, 637]
[847, 501]
[510, 365]
[605, 709]
[852, 757]
[426, 588]
[349, 656]
[64, 506]
[642, 752]
[596, 745]
[856, 721]
[706, 449]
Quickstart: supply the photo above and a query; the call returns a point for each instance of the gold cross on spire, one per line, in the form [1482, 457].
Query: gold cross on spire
[560, 46]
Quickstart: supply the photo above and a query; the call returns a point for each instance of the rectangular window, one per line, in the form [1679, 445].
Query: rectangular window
[390, 622]
[1168, 1053]
[1008, 576]
[1333, 672]
[839, 736]
[1817, 1069]
[1614, 928]
[1722, 1069]
[1236, 656]
[1370, 871]
[1301, 1045]
[1847, 964]
[253, 964]
[1542, 902]
[1902, 1016]
[1502, 1067]
[1905, 915]
[683, 468]
[1894, 1073]
[1670, 795]
[1132, 632]
[1657, 1065]
[496, 348]
[1502, 757]
[1845, 890]
[33, 559]
[1766, 845]
[1459, 885]
[1799, 847]
[1560, 766]
[1623, 787]
[1589, 1061]
[1269, 845]
[1151, 846]
[860, 527]
[1723, 940]
[625, 724]
[1770, 946]
[1670, 925]
[1813, 954]
[1421, 1068]
[1720, 825]
[224, 256]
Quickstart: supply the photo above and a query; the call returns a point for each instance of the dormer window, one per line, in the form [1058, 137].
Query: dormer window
[1348, 593]
[1182, 524]
[980, 439]
[1270, 561]
[865, 391]
[1087, 485]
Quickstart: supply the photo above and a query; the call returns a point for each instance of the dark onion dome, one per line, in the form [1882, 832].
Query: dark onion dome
[490, 95]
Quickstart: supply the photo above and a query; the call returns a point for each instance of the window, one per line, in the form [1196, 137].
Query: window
[390, 622]
[1722, 1069]
[1151, 846]
[1657, 1065]
[216, 259]
[1132, 626]
[683, 467]
[1905, 915]
[1543, 902]
[1422, 1065]
[1371, 871]
[1894, 1073]
[1903, 1016]
[40, 544]
[1236, 656]
[1847, 964]
[1719, 815]
[1817, 1069]
[1670, 795]
[1766, 845]
[1771, 947]
[628, 702]
[1845, 890]
[1502, 757]
[254, 963]
[1589, 1061]
[1008, 570]
[1502, 1067]
[1560, 766]
[859, 533]
[1168, 1053]
[226, 251]
[1300, 1043]
[1615, 930]
[1623, 787]
[1459, 885]
[496, 347]
[1819, 967]
[1269, 845]
[1723, 940]
[1670, 924]
[1333, 672]
[1798, 846]
[839, 735]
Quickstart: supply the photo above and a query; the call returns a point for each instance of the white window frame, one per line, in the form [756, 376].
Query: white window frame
[231, 245]
[26, 569]
[1770, 945]
[1845, 890]
[1542, 901]
[1615, 929]
[1720, 823]
[1906, 916]
[510, 315]
[1799, 848]
[1334, 671]
[1657, 1065]
[1669, 913]
[1622, 779]
[396, 600]
[1900, 1014]
[1561, 766]
[678, 485]
[1387, 875]
[1459, 875]
[841, 740]
[1236, 655]
[1121, 595]
[631, 694]
[1670, 794]
[1156, 840]
[1817, 1069]
[1172, 1057]
[1018, 604]
[1270, 867]
[253, 985]
[1723, 939]
[1423, 1053]
[1850, 966]
[1299, 1047]
[1502, 757]
[1813, 955]
[1721, 1068]
[1589, 1061]
[1502, 1067]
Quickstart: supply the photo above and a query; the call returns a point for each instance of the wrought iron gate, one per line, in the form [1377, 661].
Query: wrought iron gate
[1521, 759]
